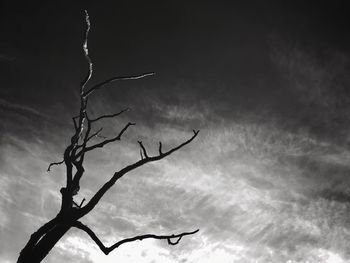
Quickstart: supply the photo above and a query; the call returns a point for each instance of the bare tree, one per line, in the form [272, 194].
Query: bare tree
[44, 239]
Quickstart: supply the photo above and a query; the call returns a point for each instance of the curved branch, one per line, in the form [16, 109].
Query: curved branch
[107, 250]
[100, 193]
[104, 83]
[52, 164]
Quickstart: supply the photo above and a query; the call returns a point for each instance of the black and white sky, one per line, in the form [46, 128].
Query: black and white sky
[266, 82]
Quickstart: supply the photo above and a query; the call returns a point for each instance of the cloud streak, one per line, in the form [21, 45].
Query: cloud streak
[252, 195]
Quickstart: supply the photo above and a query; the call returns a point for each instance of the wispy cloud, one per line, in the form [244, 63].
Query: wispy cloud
[257, 191]
[19, 108]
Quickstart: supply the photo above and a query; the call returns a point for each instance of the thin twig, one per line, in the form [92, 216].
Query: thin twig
[143, 149]
[95, 134]
[103, 143]
[52, 164]
[104, 83]
[160, 148]
[110, 115]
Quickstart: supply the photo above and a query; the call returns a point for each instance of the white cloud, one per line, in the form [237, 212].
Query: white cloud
[245, 185]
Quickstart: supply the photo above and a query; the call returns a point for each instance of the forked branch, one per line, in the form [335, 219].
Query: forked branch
[100, 193]
[107, 141]
[107, 250]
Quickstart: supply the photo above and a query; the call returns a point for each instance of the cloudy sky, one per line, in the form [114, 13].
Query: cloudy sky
[266, 180]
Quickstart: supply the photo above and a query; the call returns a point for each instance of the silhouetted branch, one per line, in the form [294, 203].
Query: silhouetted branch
[141, 155]
[107, 250]
[100, 136]
[160, 148]
[81, 203]
[52, 164]
[110, 115]
[95, 134]
[99, 194]
[103, 143]
[144, 152]
[35, 237]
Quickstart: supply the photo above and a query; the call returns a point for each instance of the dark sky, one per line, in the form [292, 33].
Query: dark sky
[267, 82]
[219, 52]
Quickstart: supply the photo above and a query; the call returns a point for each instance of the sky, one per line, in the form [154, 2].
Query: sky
[267, 85]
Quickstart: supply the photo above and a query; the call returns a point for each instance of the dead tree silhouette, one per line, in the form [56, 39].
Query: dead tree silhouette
[44, 239]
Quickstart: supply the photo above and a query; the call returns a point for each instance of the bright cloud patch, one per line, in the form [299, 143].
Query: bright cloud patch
[256, 191]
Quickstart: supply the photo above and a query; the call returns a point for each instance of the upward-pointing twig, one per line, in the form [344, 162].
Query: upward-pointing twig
[143, 149]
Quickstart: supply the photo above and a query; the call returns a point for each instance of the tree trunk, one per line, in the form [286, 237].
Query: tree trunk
[35, 251]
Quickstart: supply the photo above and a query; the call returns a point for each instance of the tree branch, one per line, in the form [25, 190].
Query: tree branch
[52, 164]
[144, 152]
[81, 203]
[35, 237]
[103, 143]
[100, 193]
[141, 155]
[107, 250]
[110, 115]
[95, 134]
[104, 83]
[160, 148]
[86, 53]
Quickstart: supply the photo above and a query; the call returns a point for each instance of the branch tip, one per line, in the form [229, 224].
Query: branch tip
[195, 132]
[113, 79]
[110, 115]
[52, 164]
[143, 150]
[107, 250]
[160, 148]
